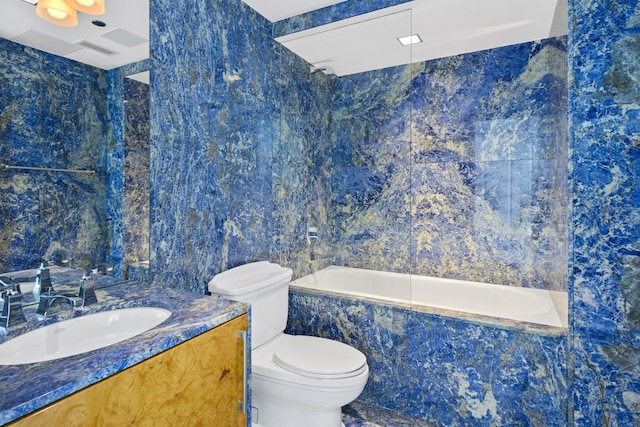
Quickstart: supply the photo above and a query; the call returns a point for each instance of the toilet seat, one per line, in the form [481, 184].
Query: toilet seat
[316, 357]
[265, 368]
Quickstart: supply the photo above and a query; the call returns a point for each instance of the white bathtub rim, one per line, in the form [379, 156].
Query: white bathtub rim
[554, 301]
[468, 317]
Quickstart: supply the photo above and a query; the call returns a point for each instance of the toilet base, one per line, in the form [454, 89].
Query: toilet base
[271, 414]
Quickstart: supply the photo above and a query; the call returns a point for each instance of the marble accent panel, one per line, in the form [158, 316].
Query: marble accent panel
[455, 167]
[444, 370]
[370, 178]
[604, 111]
[138, 271]
[53, 113]
[301, 165]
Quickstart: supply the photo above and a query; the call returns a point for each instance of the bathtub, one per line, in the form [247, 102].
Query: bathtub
[450, 352]
[537, 306]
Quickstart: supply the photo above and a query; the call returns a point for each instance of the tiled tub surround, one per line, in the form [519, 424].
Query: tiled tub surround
[402, 170]
[26, 388]
[444, 367]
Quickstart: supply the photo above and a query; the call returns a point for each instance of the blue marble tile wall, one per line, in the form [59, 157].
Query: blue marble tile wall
[237, 165]
[445, 370]
[302, 166]
[604, 117]
[455, 167]
[53, 113]
[136, 171]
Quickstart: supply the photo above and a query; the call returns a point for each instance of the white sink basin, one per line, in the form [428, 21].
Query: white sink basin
[80, 334]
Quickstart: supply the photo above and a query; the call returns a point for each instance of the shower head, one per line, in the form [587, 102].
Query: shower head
[314, 69]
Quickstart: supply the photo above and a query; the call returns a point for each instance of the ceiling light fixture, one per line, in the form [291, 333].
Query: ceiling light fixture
[65, 12]
[91, 7]
[408, 40]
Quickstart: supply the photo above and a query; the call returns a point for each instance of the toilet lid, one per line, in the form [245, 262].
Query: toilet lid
[318, 357]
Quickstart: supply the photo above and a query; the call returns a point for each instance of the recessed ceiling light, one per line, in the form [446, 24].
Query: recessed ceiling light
[407, 40]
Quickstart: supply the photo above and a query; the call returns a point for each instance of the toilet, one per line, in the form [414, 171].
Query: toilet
[296, 380]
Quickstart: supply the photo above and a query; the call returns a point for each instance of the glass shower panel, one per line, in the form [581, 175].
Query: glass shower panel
[370, 157]
[488, 166]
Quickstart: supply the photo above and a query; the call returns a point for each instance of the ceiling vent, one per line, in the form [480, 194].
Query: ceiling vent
[97, 48]
[47, 43]
[124, 37]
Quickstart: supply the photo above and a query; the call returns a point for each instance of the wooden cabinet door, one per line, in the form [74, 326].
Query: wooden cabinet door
[197, 383]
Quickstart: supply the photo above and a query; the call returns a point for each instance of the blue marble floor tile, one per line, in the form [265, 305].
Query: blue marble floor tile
[361, 414]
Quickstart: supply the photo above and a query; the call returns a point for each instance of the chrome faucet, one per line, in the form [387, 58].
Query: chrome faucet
[47, 301]
[312, 235]
[11, 313]
[86, 296]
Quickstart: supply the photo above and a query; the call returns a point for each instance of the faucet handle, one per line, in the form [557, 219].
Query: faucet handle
[86, 291]
[12, 313]
[43, 282]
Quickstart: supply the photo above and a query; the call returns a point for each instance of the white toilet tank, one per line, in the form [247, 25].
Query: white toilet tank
[265, 286]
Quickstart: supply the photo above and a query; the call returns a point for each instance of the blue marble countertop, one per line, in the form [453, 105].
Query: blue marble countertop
[27, 388]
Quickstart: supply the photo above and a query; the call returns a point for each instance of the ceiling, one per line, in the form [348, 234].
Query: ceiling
[447, 27]
[362, 43]
[124, 39]
[277, 10]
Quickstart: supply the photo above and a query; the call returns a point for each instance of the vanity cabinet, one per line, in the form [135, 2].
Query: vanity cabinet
[198, 382]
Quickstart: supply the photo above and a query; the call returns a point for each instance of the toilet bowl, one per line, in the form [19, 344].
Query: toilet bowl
[296, 380]
[287, 390]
